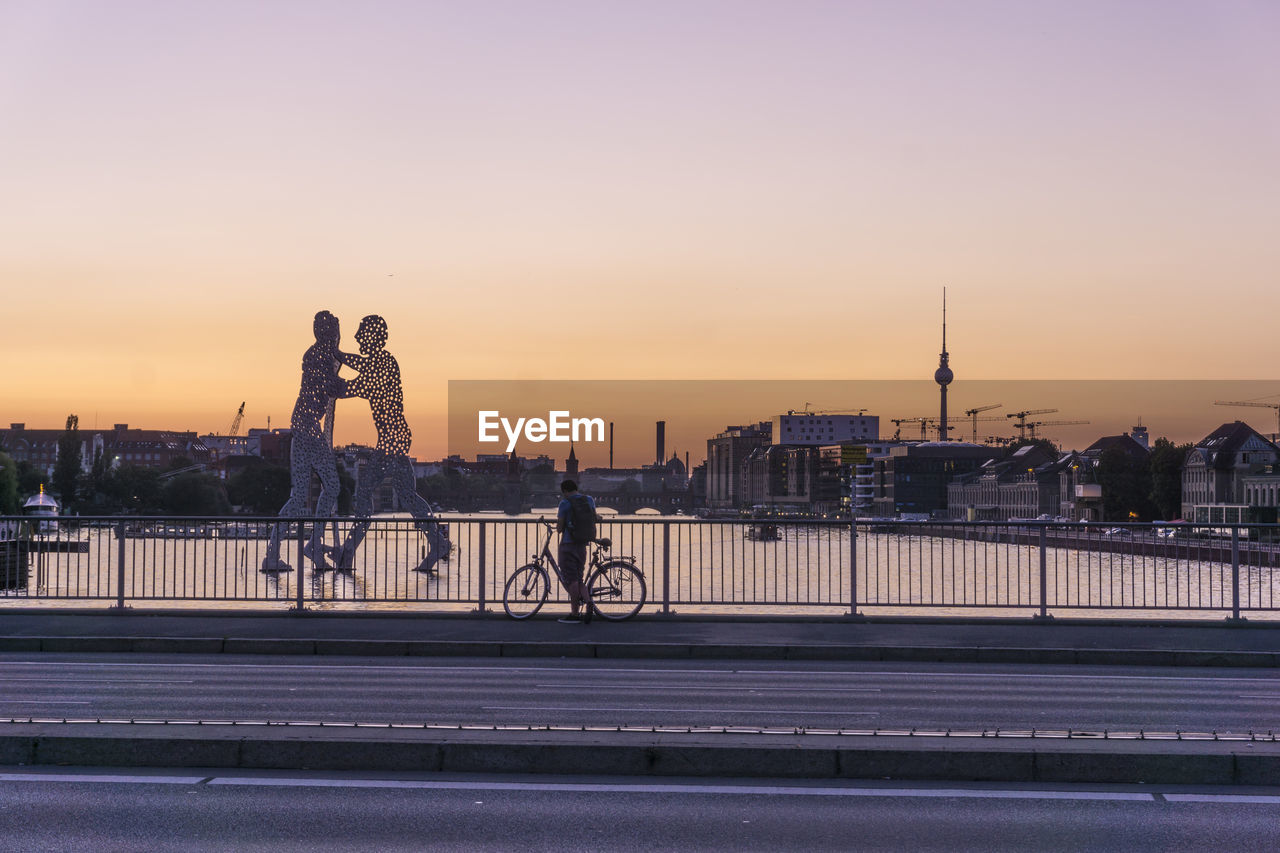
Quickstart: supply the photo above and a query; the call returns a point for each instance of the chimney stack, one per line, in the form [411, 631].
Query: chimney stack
[662, 442]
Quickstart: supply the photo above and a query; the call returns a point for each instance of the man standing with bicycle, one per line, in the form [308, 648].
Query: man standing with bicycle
[576, 522]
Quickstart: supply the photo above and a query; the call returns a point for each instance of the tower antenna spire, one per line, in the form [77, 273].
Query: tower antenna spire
[943, 375]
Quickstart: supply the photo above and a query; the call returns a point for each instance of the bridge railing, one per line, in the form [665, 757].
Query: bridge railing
[692, 565]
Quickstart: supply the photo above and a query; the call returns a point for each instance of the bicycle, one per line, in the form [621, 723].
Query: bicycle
[616, 587]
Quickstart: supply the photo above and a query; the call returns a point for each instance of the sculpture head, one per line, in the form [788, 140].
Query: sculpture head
[325, 327]
[372, 334]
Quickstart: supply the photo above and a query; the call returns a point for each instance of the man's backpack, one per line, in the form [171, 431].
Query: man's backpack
[581, 522]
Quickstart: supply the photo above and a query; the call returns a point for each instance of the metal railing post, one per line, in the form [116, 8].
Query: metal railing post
[120, 566]
[297, 580]
[480, 595]
[666, 567]
[1235, 573]
[1044, 575]
[853, 564]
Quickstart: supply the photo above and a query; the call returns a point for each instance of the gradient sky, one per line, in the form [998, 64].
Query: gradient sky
[652, 189]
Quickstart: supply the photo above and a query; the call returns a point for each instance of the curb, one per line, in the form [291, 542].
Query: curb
[663, 651]
[593, 753]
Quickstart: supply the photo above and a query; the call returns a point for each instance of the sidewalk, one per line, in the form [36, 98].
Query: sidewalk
[1166, 644]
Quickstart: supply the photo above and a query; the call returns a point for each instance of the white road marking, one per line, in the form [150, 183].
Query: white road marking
[364, 668]
[1045, 676]
[676, 710]
[1222, 798]
[111, 779]
[736, 688]
[642, 788]
[26, 678]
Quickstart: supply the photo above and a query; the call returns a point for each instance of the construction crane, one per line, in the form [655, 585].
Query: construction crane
[235, 422]
[1255, 404]
[1034, 425]
[898, 422]
[973, 415]
[935, 423]
[978, 420]
[1022, 418]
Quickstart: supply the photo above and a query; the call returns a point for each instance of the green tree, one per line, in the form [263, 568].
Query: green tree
[261, 488]
[437, 489]
[177, 463]
[195, 494]
[94, 490]
[30, 478]
[1166, 477]
[66, 472]
[134, 489]
[1126, 486]
[9, 504]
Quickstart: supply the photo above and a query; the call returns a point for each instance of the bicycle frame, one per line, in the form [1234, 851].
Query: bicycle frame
[547, 557]
[616, 576]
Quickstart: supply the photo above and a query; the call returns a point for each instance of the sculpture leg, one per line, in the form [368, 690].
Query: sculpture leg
[291, 509]
[326, 506]
[438, 545]
[370, 478]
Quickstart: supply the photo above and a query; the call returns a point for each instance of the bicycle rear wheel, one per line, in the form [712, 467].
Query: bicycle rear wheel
[526, 591]
[617, 590]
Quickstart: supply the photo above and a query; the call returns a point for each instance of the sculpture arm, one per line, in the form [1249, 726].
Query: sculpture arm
[338, 388]
[350, 359]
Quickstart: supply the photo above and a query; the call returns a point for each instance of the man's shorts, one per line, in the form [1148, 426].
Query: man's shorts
[572, 559]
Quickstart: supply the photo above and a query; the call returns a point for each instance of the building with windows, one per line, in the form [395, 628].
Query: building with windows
[913, 478]
[1218, 470]
[1025, 484]
[726, 454]
[815, 428]
[859, 458]
[1263, 492]
[120, 445]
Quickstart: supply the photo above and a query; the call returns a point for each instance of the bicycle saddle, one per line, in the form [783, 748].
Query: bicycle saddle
[604, 543]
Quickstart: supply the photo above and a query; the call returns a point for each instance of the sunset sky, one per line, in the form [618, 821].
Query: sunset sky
[629, 190]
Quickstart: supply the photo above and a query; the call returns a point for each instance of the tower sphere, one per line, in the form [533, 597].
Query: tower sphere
[943, 376]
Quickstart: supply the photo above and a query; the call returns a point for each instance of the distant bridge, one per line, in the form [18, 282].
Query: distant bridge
[626, 503]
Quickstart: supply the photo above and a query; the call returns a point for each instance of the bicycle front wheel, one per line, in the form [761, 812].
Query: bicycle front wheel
[617, 590]
[526, 591]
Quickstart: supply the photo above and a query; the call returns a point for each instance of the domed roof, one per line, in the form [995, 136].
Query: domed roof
[41, 500]
[675, 466]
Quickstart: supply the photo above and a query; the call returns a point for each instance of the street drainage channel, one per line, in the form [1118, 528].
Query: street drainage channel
[1037, 734]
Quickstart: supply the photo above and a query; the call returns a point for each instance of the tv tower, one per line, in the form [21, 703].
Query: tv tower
[943, 374]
